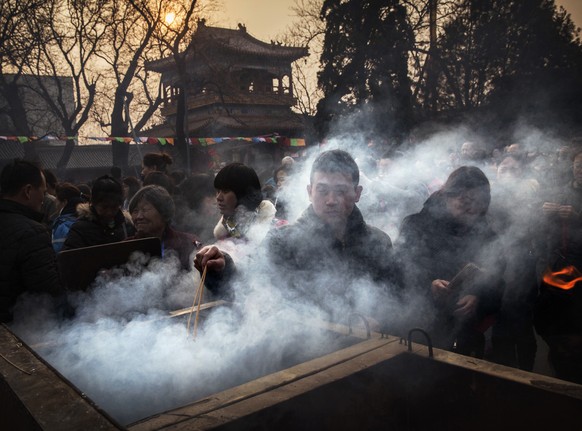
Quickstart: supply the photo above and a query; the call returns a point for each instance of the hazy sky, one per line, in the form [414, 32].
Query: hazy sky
[266, 19]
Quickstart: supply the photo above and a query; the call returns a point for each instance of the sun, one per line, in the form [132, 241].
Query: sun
[170, 17]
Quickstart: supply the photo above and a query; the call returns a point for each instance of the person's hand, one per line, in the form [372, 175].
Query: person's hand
[550, 207]
[440, 289]
[567, 212]
[466, 306]
[211, 257]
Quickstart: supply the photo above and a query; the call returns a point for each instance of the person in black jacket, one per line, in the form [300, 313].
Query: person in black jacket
[330, 256]
[27, 259]
[558, 312]
[102, 221]
[434, 245]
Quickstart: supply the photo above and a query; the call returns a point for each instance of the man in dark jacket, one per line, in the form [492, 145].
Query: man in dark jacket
[331, 256]
[27, 259]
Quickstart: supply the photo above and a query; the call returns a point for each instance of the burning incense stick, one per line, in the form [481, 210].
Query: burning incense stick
[465, 277]
[197, 301]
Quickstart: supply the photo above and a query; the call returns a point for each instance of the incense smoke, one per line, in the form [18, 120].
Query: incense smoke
[125, 352]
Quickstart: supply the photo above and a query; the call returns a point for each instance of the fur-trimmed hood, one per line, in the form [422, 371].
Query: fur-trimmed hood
[88, 230]
[244, 221]
[84, 211]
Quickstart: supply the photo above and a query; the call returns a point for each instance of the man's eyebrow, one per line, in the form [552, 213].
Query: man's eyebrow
[332, 186]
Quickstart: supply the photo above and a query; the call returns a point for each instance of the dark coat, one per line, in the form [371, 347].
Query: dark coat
[430, 246]
[27, 259]
[181, 244]
[559, 312]
[88, 230]
[564, 237]
[312, 264]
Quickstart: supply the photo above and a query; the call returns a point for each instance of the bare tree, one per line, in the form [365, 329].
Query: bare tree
[174, 39]
[18, 37]
[140, 31]
[76, 30]
[427, 19]
[129, 38]
[307, 30]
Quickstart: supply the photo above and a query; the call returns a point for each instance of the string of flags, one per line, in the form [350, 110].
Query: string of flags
[204, 142]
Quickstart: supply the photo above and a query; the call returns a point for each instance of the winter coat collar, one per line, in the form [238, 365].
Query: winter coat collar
[434, 209]
[243, 219]
[8, 206]
[355, 228]
[86, 211]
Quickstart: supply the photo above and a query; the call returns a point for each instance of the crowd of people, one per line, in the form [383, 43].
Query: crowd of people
[487, 253]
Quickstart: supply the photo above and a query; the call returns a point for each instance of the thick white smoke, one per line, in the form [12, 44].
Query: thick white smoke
[128, 356]
[125, 353]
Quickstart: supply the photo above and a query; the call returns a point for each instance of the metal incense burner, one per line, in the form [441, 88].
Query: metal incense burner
[376, 382]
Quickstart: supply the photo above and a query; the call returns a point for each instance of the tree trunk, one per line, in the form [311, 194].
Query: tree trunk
[17, 114]
[119, 150]
[65, 157]
[182, 144]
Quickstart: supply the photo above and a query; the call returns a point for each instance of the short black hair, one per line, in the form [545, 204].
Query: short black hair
[133, 185]
[106, 189]
[195, 188]
[50, 177]
[17, 174]
[281, 168]
[467, 178]
[159, 178]
[115, 172]
[160, 161]
[243, 181]
[67, 191]
[336, 161]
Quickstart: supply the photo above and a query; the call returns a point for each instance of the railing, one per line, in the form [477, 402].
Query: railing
[201, 100]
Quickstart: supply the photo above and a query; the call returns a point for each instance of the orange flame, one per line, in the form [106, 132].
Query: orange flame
[563, 279]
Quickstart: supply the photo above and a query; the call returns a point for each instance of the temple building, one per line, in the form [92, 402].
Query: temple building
[236, 85]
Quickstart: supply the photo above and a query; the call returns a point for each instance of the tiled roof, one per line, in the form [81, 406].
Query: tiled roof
[238, 41]
[241, 41]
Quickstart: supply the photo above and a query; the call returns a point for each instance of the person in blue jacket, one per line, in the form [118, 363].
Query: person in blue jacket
[68, 197]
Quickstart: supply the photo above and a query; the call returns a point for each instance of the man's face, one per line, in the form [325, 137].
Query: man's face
[508, 169]
[468, 150]
[333, 196]
[384, 167]
[36, 195]
[281, 178]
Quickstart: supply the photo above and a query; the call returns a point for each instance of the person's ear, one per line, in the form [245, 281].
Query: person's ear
[27, 190]
[309, 191]
[358, 193]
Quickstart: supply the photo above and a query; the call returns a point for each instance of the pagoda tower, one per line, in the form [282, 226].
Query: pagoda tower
[236, 85]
